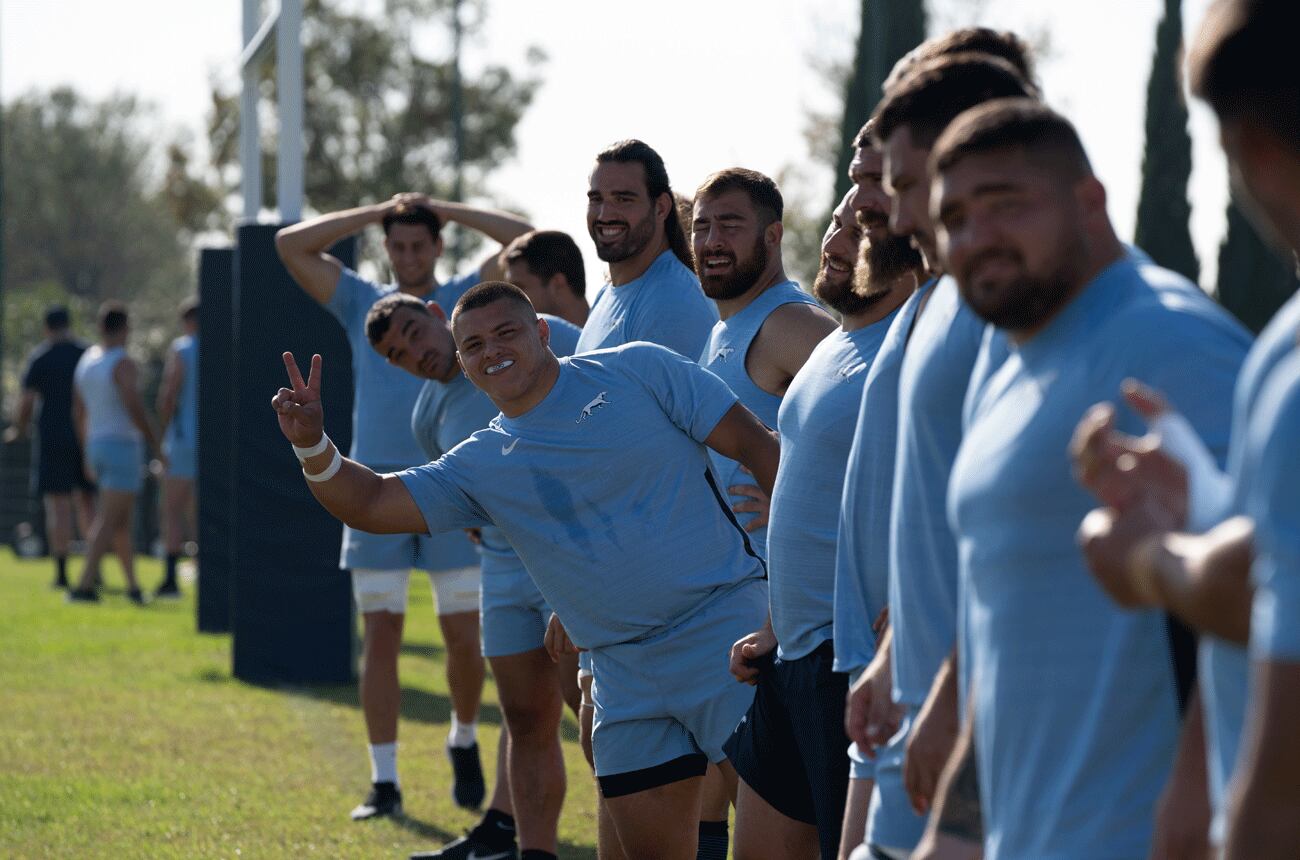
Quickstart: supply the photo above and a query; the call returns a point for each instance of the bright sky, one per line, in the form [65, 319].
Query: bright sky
[706, 84]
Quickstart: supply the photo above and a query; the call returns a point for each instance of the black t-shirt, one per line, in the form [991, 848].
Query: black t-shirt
[49, 373]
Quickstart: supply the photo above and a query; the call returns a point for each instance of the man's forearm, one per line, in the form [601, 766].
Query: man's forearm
[318, 234]
[956, 811]
[502, 227]
[1205, 579]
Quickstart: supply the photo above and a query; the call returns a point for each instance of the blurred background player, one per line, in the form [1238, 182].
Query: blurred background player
[178, 420]
[547, 266]
[115, 432]
[58, 476]
[381, 438]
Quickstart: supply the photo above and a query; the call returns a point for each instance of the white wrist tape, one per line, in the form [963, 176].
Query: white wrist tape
[330, 471]
[303, 453]
[1209, 490]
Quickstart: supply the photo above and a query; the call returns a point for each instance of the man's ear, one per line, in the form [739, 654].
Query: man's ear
[436, 310]
[438, 246]
[1091, 196]
[557, 282]
[664, 203]
[772, 234]
[544, 332]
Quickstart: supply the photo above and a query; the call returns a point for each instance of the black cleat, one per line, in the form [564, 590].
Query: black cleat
[136, 596]
[168, 591]
[82, 595]
[467, 787]
[384, 799]
[469, 848]
[60, 583]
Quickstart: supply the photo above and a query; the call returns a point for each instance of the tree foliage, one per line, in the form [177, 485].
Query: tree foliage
[85, 219]
[378, 114]
[1254, 279]
[1164, 214]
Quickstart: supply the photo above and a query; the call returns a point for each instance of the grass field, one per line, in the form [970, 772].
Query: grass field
[123, 734]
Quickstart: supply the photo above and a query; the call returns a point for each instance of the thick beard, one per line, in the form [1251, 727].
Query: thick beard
[879, 266]
[638, 236]
[740, 281]
[841, 296]
[1028, 301]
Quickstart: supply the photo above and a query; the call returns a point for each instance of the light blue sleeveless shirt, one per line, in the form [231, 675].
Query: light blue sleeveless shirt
[821, 404]
[724, 354]
[184, 425]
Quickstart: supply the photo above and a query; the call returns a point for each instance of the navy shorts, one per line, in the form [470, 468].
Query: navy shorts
[58, 469]
[789, 749]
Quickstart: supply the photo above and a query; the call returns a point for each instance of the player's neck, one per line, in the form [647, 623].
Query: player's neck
[536, 392]
[626, 271]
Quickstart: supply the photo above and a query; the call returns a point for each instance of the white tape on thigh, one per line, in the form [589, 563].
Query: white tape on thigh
[380, 590]
[1209, 490]
[456, 590]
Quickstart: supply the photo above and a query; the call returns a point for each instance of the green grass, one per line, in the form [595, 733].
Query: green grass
[123, 734]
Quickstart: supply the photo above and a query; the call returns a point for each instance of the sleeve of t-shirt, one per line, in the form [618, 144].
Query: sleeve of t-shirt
[693, 398]
[438, 492]
[32, 375]
[353, 296]
[1273, 502]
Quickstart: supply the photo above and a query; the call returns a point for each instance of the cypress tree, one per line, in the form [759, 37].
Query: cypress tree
[1164, 215]
[889, 29]
[1254, 279]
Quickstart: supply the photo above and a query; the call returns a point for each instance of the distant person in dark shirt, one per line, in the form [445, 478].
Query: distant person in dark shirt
[57, 474]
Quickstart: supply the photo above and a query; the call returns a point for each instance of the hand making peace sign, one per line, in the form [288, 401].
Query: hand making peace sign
[301, 415]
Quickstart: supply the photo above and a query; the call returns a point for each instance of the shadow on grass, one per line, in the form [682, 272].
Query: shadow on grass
[423, 649]
[418, 705]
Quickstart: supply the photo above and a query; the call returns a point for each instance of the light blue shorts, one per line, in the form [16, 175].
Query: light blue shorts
[182, 458]
[118, 464]
[891, 823]
[515, 614]
[671, 694]
[443, 551]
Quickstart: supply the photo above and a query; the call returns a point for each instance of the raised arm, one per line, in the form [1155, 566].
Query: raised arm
[501, 227]
[743, 438]
[302, 247]
[125, 378]
[379, 504]
[170, 390]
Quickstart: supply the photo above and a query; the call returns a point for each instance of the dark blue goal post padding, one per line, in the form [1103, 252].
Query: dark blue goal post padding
[216, 442]
[291, 607]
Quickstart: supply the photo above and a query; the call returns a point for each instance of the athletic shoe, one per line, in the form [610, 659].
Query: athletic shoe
[469, 848]
[61, 583]
[467, 787]
[78, 595]
[384, 799]
[136, 596]
[168, 591]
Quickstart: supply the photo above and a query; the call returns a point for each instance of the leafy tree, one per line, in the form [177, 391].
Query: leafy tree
[378, 115]
[84, 218]
[1254, 280]
[889, 29]
[1164, 214]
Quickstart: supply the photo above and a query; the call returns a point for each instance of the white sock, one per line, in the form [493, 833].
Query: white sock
[383, 763]
[462, 735]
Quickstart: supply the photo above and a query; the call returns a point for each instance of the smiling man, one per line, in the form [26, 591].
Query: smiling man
[381, 564]
[595, 472]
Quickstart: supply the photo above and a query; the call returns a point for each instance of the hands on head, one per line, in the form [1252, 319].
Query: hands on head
[299, 409]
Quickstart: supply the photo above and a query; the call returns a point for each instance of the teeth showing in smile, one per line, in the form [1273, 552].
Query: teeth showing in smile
[497, 368]
[837, 265]
[716, 262]
[610, 232]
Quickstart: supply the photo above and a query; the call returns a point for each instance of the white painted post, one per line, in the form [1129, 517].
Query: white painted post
[250, 156]
[289, 83]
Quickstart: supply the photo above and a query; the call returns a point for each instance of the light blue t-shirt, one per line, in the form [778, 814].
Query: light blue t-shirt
[725, 354]
[380, 390]
[447, 414]
[1076, 701]
[604, 491]
[932, 387]
[664, 306]
[1274, 504]
[822, 401]
[1225, 667]
[184, 426]
[862, 548]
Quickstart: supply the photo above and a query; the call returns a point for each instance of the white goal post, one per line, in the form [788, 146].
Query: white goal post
[281, 31]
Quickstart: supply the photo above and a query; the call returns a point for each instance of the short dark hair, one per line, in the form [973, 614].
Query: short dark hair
[112, 317]
[656, 180]
[488, 293]
[414, 215]
[57, 318]
[1044, 135]
[547, 253]
[862, 140]
[760, 189]
[381, 313]
[968, 40]
[937, 90]
[190, 310]
[1243, 64]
